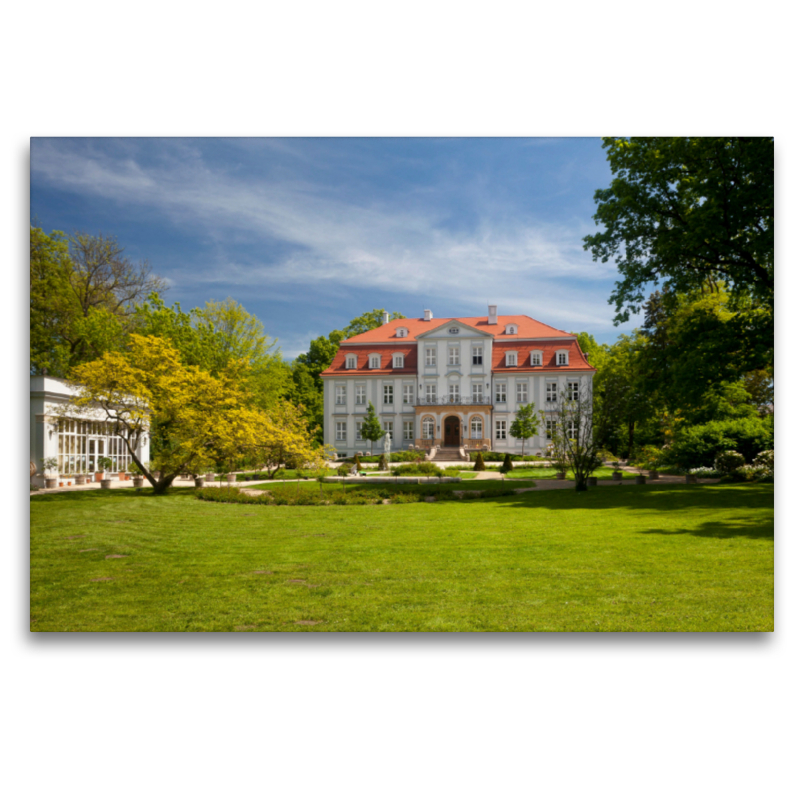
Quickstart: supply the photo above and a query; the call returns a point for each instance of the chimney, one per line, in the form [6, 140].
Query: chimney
[493, 315]
[428, 315]
[385, 317]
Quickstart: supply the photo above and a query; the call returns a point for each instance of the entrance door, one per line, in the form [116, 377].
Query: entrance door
[452, 432]
[96, 449]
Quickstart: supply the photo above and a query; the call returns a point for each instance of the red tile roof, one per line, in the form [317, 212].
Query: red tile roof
[548, 349]
[527, 328]
[404, 346]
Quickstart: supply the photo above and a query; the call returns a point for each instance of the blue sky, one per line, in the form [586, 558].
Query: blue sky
[309, 233]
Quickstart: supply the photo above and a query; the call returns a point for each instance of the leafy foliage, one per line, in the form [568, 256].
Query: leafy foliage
[525, 425]
[728, 462]
[371, 428]
[699, 445]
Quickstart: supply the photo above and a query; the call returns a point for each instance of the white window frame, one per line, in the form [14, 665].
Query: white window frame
[477, 356]
[359, 425]
[361, 395]
[408, 394]
[500, 430]
[536, 358]
[430, 356]
[573, 390]
[428, 428]
[351, 362]
[572, 429]
[476, 428]
[399, 361]
[511, 358]
[562, 358]
[374, 361]
[341, 431]
[454, 392]
[477, 392]
[549, 427]
[388, 427]
[408, 430]
[402, 333]
[430, 392]
[341, 395]
[500, 392]
[388, 392]
[453, 356]
[522, 392]
[551, 392]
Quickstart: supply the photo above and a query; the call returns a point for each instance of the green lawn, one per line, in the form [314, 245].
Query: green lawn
[617, 558]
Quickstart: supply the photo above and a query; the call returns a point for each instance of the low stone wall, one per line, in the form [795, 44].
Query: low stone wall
[391, 479]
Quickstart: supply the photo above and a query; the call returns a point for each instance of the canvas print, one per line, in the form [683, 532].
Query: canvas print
[387, 384]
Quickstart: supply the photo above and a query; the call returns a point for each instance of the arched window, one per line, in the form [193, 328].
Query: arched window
[427, 428]
[399, 360]
[476, 428]
[374, 361]
[350, 362]
[562, 358]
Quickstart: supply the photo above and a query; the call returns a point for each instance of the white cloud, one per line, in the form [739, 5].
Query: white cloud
[520, 263]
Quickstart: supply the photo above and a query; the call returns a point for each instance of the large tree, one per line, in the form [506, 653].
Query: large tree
[683, 212]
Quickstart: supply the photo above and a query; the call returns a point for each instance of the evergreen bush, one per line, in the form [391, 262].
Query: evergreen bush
[728, 462]
[479, 465]
[507, 465]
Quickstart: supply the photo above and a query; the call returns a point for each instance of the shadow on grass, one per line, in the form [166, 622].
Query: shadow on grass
[729, 529]
[92, 495]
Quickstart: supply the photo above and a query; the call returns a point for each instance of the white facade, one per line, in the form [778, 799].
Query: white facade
[456, 385]
[77, 441]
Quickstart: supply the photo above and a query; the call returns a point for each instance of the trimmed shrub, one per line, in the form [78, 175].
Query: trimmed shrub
[479, 465]
[492, 455]
[507, 465]
[421, 468]
[728, 462]
[699, 445]
[343, 470]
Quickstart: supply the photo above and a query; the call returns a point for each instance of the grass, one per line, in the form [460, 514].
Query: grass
[543, 473]
[617, 558]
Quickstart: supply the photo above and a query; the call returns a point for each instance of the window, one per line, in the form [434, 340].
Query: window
[388, 394]
[350, 362]
[341, 431]
[388, 427]
[500, 393]
[78, 452]
[477, 356]
[359, 437]
[476, 428]
[398, 361]
[536, 359]
[552, 392]
[511, 358]
[572, 429]
[562, 359]
[511, 329]
[402, 333]
[430, 392]
[408, 430]
[549, 427]
[408, 394]
[477, 392]
[522, 392]
[453, 330]
[430, 356]
[500, 429]
[452, 356]
[572, 391]
[341, 395]
[374, 362]
[361, 395]
[453, 393]
[427, 428]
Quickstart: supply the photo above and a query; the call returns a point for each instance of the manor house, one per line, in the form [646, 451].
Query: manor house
[452, 383]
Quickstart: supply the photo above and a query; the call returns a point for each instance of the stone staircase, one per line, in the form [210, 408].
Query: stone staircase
[449, 454]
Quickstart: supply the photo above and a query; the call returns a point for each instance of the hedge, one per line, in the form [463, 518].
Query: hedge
[699, 445]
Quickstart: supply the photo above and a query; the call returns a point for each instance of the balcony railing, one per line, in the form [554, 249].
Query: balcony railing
[448, 400]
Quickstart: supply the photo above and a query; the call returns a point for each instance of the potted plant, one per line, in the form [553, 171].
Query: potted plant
[138, 478]
[616, 475]
[104, 463]
[50, 465]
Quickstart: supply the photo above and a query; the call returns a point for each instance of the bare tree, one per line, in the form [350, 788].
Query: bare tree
[572, 435]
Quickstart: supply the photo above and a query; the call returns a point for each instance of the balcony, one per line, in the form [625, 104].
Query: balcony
[457, 400]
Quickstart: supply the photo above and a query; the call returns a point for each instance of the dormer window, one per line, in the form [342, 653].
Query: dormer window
[453, 330]
[374, 362]
[402, 333]
[511, 328]
[511, 358]
[398, 360]
[562, 358]
[536, 358]
[350, 362]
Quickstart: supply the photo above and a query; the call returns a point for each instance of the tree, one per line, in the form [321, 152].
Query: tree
[368, 321]
[686, 211]
[573, 437]
[371, 428]
[525, 425]
[190, 416]
[83, 292]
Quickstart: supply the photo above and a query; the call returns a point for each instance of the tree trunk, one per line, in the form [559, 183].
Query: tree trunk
[581, 485]
[631, 426]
